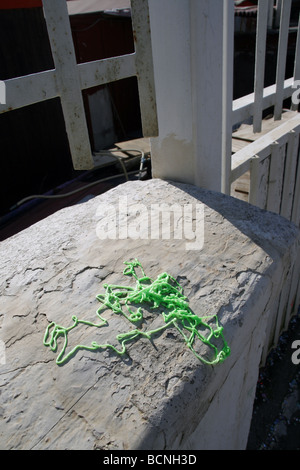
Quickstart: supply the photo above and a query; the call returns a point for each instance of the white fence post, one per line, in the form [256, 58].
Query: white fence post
[260, 56]
[227, 93]
[193, 81]
[172, 151]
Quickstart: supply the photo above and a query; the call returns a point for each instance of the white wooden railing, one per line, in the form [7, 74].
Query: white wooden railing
[183, 62]
[252, 105]
[273, 162]
[273, 159]
[68, 79]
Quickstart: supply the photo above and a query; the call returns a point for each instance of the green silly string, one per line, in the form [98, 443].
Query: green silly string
[164, 292]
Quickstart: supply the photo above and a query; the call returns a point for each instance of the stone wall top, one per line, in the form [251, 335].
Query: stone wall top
[154, 396]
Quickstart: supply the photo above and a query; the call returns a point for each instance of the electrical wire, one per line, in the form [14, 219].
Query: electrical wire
[110, 152]
[57, 196]
[101, 152]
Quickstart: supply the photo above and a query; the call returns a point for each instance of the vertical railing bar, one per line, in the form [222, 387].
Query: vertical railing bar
[271, 13]
[289, 175]
[227, 93]
[294, 106]
[63, 52]
[281, 57]
[274, 192]
[254, 180]
[278, 13]
[296, 202]
[297, 55]
[260, 56]
[263, 188]
[144, 66]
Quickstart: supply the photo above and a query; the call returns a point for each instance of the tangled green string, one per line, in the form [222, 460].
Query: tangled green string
[164, 292]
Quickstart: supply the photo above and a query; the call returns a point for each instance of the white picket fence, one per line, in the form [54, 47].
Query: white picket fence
[262, 98]
[273, 159]
[273, 162]
[173, 66]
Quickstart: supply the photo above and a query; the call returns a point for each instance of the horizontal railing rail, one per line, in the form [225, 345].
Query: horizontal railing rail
[243, 108]
[273, 161]
[68, 79]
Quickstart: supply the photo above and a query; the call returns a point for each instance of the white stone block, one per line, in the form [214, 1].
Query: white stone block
[159, 396]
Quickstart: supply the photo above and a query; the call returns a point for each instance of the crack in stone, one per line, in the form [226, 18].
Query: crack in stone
[64, 415]
[21, 369]
[13, 340]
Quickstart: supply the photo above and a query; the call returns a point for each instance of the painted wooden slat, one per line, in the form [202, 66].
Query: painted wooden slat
[296, 203]
[30, 89]
[144, 66]
[139, 64]
[60, 36]
[278, 12]
[297, 55]
[281, 57]
[294, 106]
[289, 175]
[260, 56]
[275, 177]
[241, 159]
[103, 71]
[263, 190]
[271, 13]
[227, 94]
[254, 180]
[259, 171]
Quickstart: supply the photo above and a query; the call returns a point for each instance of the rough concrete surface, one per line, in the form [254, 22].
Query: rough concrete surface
[155, 396]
